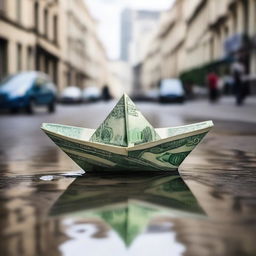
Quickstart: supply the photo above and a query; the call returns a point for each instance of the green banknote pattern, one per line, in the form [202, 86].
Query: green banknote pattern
[173, 131]
[164, 157]
[125, 126]
[70, 131]
[113, 129]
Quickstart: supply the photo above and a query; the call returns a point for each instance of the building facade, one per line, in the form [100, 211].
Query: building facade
[151, 66]
[57, 37]
[84, 59]
[166, 56]
[196, 34]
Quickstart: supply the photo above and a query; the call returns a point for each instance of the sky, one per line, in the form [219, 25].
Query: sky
[107, 13]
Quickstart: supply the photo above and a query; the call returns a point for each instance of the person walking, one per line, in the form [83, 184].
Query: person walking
[212, 82]
[106, 96]
[238, 70]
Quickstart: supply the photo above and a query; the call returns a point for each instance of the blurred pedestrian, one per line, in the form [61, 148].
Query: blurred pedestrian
[212, 82]
[238, 70]
[188, 86]
[105, 93]
[228, 84]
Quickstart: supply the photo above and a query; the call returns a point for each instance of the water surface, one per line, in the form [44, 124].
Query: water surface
[48, 208]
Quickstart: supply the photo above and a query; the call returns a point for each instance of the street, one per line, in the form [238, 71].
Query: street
[220, 173]
[174, 175]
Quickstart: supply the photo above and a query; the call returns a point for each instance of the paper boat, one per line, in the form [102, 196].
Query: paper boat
[126, 141]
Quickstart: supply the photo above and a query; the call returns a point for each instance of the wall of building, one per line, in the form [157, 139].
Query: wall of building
[84, 60]
[166, 57]
[151, 67]
[55, 37]
[16, 30]
[193, 34]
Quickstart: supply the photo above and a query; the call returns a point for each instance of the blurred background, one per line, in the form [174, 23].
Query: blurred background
[68, 62]
[130, 46]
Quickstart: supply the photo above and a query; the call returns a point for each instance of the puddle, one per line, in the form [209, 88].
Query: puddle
[49, 207]
[46, 177]
[74, 174]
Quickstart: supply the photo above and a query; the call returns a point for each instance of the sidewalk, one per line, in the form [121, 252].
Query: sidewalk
[165, 115]
[225, 109]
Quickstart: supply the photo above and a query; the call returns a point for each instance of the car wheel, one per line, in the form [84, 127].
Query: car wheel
[14, 110]
[182, 100]
[52, 107]
[30, 109]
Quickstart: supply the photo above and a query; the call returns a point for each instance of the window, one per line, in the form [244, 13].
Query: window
[46, 64]
[78, 80]
[40, 82]
[55, 28]
[246, 16]
[55, 72]
[18, 10]
[254, 18]
[3, 58]
[212, 49]
[226, 31]
[2, 6]
[30, 58]
[234, 16]
[69, 78]
[36, 16]
[46, 22]
[19, 57]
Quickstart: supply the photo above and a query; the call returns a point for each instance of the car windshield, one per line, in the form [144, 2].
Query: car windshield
[71, 91]
[21, 82]
[91, 91]
[171, 86]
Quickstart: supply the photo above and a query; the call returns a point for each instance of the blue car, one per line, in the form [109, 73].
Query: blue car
[27, 90]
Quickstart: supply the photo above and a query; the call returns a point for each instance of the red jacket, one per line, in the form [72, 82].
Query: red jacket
[212, 80]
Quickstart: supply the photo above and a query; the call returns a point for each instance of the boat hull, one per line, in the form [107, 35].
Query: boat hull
[164, 155]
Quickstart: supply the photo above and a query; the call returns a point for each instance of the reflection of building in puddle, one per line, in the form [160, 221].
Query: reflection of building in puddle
[23, 228]
[228, 197]
[215, 237]
[49, 160]
[127, 204]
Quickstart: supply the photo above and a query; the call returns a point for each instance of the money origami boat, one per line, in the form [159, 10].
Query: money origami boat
[126, 141]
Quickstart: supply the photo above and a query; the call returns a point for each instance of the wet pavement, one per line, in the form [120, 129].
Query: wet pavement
[49, 207]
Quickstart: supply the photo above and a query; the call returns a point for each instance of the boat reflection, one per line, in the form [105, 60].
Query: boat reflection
[127, 204]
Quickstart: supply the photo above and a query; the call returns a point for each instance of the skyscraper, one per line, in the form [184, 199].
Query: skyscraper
[137, 27]
[126, 33]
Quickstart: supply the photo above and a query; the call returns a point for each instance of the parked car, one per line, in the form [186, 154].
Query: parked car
[91, 94]
[71, 94]
[151, 95]
[171, 90]
[27, 90]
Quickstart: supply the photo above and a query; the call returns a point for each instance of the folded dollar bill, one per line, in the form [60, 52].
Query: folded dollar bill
[127, 141]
